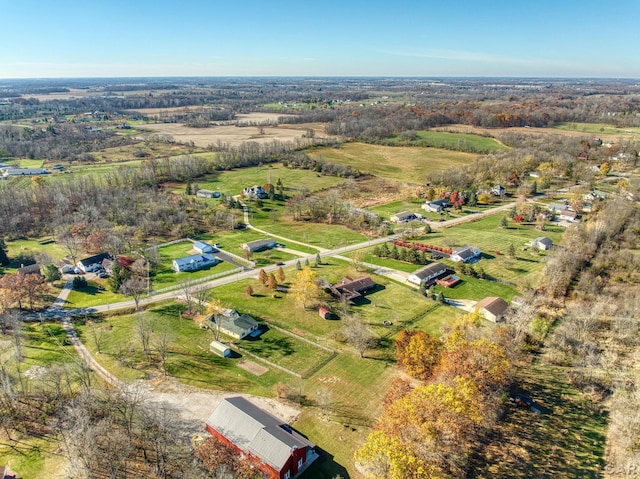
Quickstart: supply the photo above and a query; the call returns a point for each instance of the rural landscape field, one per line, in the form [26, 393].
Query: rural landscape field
[413, 279]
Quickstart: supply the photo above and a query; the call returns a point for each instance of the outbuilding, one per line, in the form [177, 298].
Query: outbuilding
[220, 349]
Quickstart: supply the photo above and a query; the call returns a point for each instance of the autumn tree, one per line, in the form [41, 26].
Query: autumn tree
[215, 308]
[262, 276]
[272, 283]
[418, 353]
[305, 289]
[248, 292]
[280, 275]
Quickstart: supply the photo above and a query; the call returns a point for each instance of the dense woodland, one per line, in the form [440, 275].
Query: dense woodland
[439, 419]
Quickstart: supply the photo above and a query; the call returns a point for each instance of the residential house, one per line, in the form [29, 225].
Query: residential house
[259, 245]
[568, 215]
[207, 194]
[235, 324]
[465, 254]
[350, 289]
[194, 262]
[282, 452]
[202, 247]
[492, 308]
[255, 192]
[92, 263]
[404, 217]
[542, 242]
[220, 349]
[428, 274]
[436, 206]
[498, 190]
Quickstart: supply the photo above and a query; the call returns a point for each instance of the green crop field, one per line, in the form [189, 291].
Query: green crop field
[450, 141]
[404, 163]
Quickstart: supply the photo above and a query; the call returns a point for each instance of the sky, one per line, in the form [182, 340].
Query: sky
[494, 38]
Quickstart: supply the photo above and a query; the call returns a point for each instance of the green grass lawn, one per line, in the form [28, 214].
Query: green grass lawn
[287, 351]
[96, 293]
[477, 289]
[294, 180]
[33, 458]
[451, 141]
[189, 359]
[165, 276]
[388, 209]
[35, 245]
[315, 234]
[404, 163]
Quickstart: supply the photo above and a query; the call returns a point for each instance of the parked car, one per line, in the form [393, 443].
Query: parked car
[103, 274]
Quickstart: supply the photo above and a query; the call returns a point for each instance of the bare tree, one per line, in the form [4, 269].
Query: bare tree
[358, 335]
[143, 331]
[161, 342]
[134, 287]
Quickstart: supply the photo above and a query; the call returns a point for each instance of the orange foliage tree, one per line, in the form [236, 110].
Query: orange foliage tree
[418, 353]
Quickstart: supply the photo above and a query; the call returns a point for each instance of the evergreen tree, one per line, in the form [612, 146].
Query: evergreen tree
[511, 251]
[298, 265]
[4, 258]
[318, 260]
[188, 189]
[306, 263]
[503, 222]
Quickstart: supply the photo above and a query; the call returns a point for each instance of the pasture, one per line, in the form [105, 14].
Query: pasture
[404, 163]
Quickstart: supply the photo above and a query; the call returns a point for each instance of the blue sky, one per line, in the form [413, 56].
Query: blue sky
[98, 38]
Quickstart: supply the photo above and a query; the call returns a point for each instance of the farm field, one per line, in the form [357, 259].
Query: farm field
[230, 134]
[595, 128]
[409, 164]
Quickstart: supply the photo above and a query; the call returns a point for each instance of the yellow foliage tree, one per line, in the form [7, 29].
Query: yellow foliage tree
[305, 289]
[418, 353]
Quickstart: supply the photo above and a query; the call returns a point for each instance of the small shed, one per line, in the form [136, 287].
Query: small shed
[202, 247]
[220, 349]
[324, 313]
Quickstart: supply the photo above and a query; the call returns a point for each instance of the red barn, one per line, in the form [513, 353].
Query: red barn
[282, 452]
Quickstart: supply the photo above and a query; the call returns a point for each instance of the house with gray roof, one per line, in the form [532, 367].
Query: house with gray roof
[259, 245]
[404, 217]
[283, 453]
[465, 254]
[492, 308]
[542, 243]
[436, 206]
[427, 274]
[234, 324]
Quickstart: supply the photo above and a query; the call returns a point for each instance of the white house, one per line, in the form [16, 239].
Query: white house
[235, 324]
[542, 243]
[465, 254]
[427, 274]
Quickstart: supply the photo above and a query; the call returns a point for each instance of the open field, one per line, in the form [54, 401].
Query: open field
[610, 133]
[30, 247]
[451, 141]
[231, 134]
[96, 293]
[595, 128]
[294, 180]
[404, 163]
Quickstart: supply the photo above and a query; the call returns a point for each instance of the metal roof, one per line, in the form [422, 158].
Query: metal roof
[256, 431]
